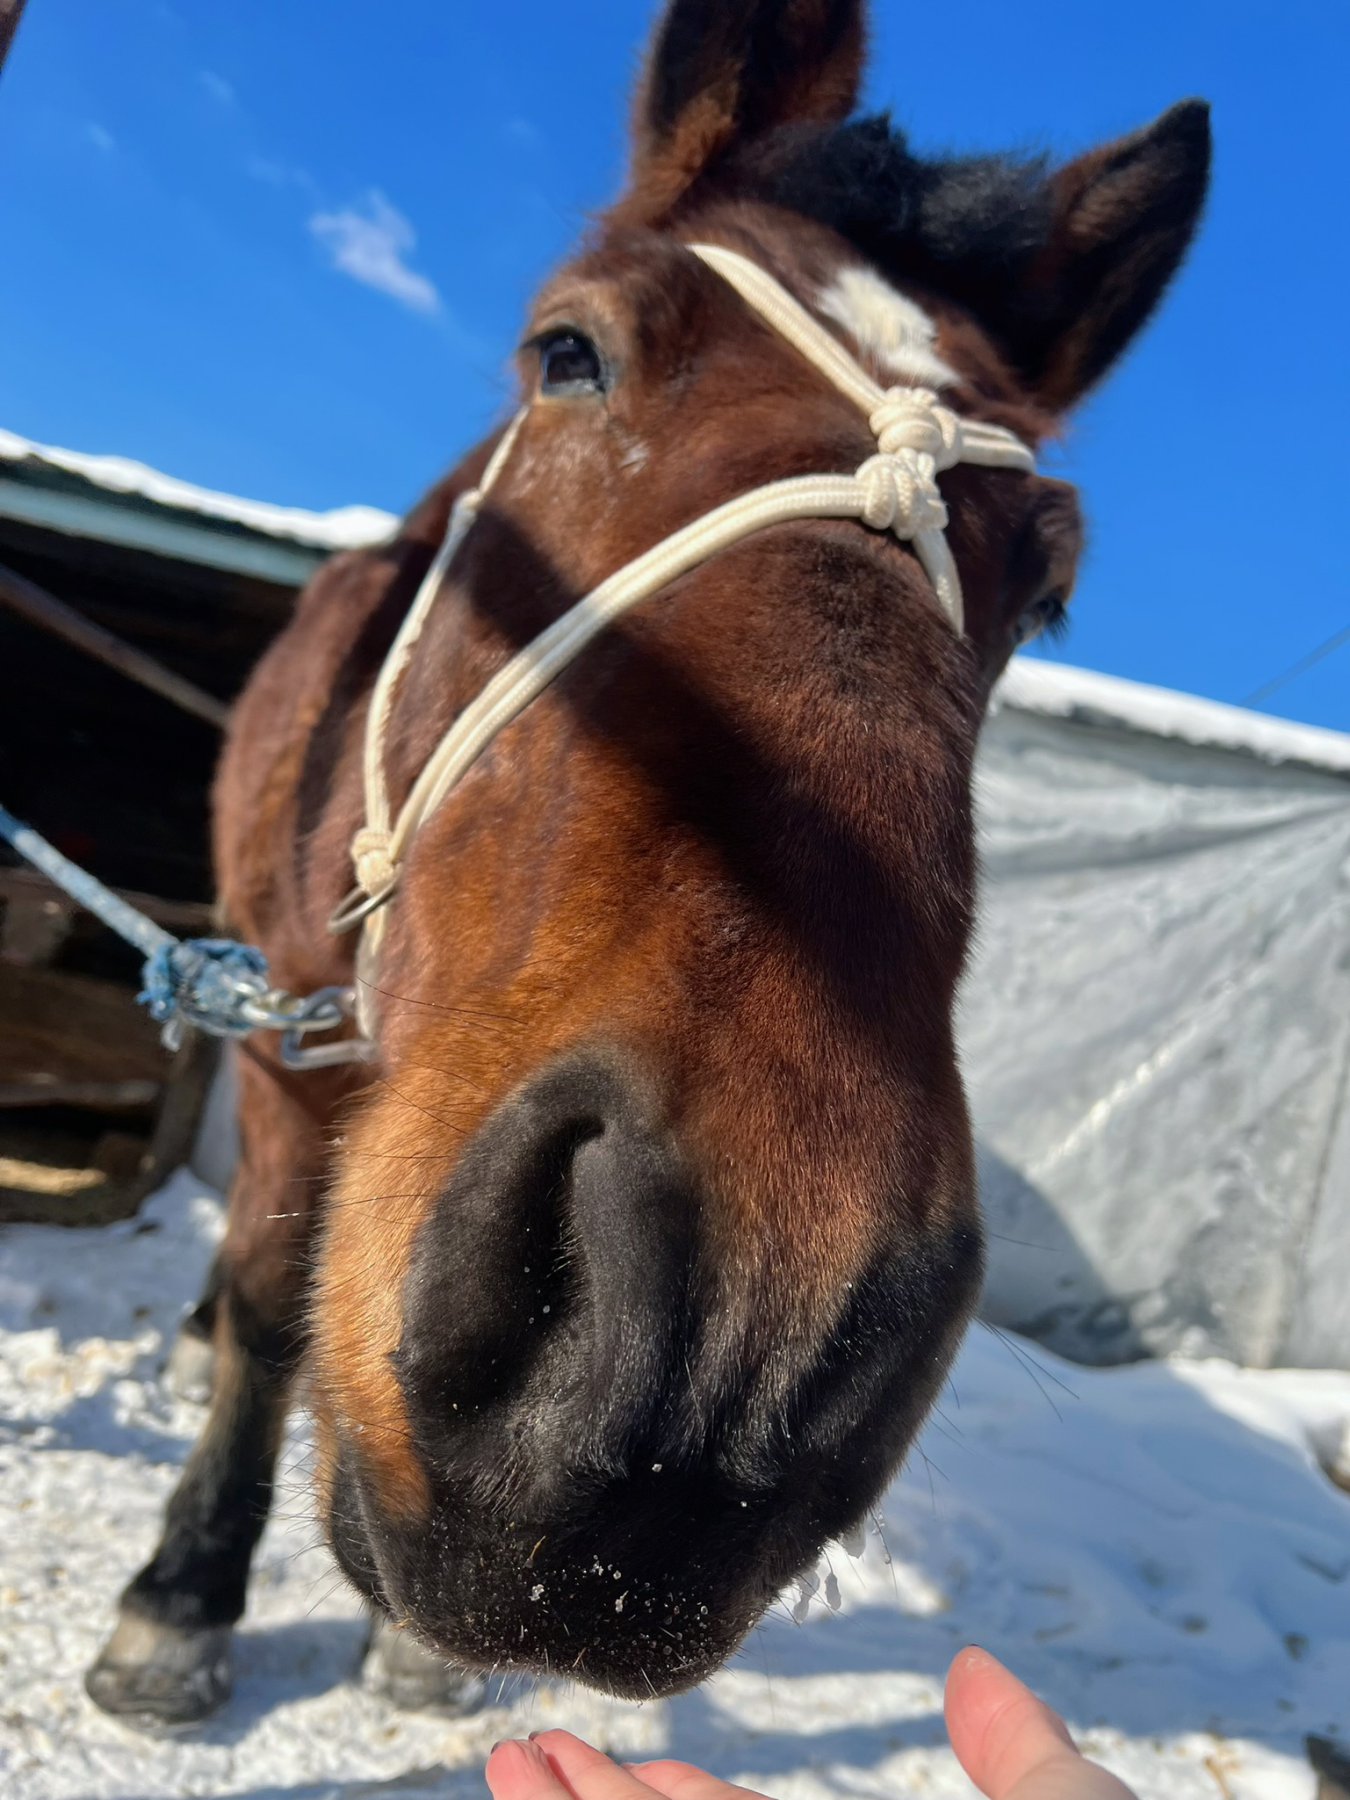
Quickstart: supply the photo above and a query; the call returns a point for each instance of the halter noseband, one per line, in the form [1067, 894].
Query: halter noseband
[894, 490]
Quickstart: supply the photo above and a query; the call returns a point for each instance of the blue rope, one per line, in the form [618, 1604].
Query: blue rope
[205, 981]
[212, 983]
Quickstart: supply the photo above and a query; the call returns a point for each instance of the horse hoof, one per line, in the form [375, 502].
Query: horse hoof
[160, 1675]
[400, 1670]
[190, 1372]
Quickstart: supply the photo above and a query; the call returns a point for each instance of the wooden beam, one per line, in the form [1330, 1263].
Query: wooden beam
[96, 1194]
[44, 610]
[98, 1096]
[56, 1028]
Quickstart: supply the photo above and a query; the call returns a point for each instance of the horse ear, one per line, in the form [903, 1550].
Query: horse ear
[724, 72]
[1121, 220]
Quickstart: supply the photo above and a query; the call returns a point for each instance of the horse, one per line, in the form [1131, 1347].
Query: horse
[623, 1274]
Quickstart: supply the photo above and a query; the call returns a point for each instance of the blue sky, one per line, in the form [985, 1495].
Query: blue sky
[284, 249]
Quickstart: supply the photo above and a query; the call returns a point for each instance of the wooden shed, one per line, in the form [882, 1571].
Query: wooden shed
[132, 607]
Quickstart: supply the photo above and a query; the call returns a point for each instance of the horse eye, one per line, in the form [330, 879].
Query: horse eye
[569, 364]
[1046, 616]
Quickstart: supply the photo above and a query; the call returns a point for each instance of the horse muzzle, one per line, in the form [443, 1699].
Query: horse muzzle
[619, 1475]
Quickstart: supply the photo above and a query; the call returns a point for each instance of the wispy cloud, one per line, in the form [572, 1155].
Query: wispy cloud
[220, 90]
[280, 174]
[100, 137]
[371, 241]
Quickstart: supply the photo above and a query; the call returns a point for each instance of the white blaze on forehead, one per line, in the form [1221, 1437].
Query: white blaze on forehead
[888, 326]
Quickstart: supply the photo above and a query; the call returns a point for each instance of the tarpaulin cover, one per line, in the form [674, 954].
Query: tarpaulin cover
[1156, 1025]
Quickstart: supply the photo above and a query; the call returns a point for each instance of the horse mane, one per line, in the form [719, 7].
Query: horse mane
[964, 226]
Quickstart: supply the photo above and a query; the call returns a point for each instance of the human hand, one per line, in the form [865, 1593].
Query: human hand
[1010, 1744]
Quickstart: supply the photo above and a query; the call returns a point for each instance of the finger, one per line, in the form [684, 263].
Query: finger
[1012, 1746]
[682, 1781]
[584, 1771]
[516, 1770]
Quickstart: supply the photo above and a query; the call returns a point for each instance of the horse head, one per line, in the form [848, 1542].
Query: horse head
[651, 1242]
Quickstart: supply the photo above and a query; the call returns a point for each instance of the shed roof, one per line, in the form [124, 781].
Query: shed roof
[1057, 691]
[115, 500]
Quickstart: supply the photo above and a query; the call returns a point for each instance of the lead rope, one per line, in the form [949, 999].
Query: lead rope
[893, 490]
[213, 984]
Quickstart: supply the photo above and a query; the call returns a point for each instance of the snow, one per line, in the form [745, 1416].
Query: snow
[1155, 1548]
[344, 528]
[1058, 691]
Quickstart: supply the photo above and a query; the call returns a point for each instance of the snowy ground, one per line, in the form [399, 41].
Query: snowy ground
[1156, 1549]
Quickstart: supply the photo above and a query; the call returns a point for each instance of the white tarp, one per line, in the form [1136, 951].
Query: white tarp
[1156, 1024]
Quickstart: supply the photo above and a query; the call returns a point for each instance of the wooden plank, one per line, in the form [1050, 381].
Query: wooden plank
[188, 918]
[40, 608]
[74, 1028]
[98, 1096]
[122, 1169]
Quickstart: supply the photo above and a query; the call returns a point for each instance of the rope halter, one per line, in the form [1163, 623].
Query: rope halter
[916, 437]
[894, 490]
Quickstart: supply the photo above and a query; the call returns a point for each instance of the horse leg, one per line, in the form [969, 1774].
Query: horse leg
[169, 1658]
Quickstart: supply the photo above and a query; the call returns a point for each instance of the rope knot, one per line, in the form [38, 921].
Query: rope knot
[374, 865]
[901, 495]
[914, 419]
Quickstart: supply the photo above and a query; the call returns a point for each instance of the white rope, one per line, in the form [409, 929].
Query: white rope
[963, 440]
[894, 490]
[370, 845]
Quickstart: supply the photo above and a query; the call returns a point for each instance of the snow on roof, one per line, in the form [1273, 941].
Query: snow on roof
[1057, 692]
[345, 528]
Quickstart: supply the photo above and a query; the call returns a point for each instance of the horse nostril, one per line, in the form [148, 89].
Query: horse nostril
[554, 1267]
[493, 1272]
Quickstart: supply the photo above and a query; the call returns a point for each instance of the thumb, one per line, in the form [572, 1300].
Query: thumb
[1010, 1743]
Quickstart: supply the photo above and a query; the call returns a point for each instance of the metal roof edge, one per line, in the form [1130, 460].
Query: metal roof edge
[343, 528]
[1056, 690]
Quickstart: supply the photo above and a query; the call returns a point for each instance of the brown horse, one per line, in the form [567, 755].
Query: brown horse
[626, 1275]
